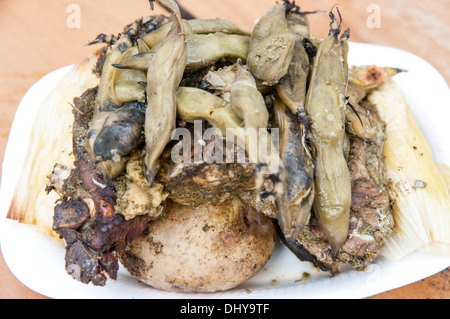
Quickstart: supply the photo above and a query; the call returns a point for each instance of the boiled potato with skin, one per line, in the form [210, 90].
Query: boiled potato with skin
[208, 248]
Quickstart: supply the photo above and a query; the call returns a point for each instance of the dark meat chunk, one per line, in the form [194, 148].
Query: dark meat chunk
[82, 263]
[95, 235]
[112, 231]
[92, 250]
[87, 265]
[201, 182]
[198, 182]
[70, 215]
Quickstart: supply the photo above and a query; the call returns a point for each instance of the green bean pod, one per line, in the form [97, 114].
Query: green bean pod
[113, 56]
[271, 46]
[202, 51]
[194, 104]
[140, 61]
[248, 103]
[164, 74]
[154, 38]
[126, 83]
[325, 104]
[246, 110]
[292, 87]
[206, 26]
[206, 49]
[197, 26]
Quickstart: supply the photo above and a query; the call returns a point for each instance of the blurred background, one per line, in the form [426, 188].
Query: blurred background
[39, 36]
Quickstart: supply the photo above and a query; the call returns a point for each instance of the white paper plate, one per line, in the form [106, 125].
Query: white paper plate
[38, 261]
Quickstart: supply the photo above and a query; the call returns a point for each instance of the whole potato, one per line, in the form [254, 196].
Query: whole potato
[202, 249]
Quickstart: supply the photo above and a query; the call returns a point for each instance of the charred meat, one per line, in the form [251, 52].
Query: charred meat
[94, 234]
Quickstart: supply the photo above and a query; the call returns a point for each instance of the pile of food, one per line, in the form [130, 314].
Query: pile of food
[337, 167]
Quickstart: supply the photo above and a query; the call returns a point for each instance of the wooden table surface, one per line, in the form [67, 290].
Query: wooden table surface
[38, 36]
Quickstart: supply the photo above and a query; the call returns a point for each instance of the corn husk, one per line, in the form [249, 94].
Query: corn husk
[444, 169]
[50, 142]
[421, 206]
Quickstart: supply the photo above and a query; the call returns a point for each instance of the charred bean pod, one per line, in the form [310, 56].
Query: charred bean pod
[294, 206]
[139, 61]
[121, 133]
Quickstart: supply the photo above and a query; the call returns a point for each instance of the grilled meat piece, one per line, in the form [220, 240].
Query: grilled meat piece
[94, 234]
[94, 243]
[203, 181]
[200, 183]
